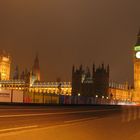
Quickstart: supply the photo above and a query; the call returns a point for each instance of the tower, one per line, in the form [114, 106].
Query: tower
[90, 85]
[77, 80]
[5, 64]
[36, 69]
[101, 80]
[136, 61]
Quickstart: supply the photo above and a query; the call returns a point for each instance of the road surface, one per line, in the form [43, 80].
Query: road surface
[69, 122]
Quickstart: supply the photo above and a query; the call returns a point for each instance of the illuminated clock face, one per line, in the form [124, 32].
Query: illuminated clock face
[138, 55]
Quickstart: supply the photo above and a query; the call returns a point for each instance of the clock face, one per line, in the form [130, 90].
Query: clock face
[138, 55]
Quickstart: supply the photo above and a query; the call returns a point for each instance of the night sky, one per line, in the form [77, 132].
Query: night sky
[67, 32]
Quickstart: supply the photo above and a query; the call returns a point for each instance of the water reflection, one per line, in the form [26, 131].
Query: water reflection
[130, 113]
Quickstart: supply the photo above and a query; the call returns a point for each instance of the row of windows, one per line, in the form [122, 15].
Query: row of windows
[51, 91]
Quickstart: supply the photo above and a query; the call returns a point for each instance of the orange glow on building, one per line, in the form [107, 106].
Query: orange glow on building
[120, 92]
[5, 63]
[136, 60]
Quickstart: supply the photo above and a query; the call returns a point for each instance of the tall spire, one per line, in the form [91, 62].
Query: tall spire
[16, 73]
[36, 68]
[73, 69]
[138, 39]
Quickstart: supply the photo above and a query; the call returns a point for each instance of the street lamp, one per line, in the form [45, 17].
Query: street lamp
[78, 98]
[102, 99]
[96, 99]
[96, 96]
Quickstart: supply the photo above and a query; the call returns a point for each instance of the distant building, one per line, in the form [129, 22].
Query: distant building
[29, 81]
[5, 63]
[120, 92]
[38, 87]
[87, 84]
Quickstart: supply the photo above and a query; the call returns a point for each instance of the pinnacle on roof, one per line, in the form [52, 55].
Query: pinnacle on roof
[138, 39]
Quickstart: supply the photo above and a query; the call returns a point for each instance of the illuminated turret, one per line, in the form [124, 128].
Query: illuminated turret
[5, 63]
[136, 56]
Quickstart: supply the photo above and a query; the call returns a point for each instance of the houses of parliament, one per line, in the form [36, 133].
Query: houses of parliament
[85, 83]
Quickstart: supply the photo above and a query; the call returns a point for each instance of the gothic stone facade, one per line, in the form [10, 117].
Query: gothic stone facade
[86, 84]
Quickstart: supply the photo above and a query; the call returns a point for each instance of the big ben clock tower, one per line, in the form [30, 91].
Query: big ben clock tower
[137, 70]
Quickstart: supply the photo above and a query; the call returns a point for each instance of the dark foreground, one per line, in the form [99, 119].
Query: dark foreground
[69, 122]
